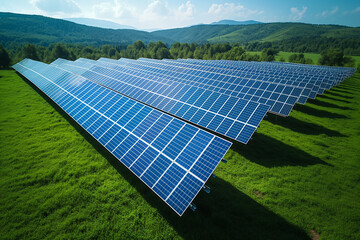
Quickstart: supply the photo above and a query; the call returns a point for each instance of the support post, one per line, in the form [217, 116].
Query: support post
[206, 189]
[192, 207]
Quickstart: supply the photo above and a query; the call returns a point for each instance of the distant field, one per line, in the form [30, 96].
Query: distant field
[297, 179]
[314, 56]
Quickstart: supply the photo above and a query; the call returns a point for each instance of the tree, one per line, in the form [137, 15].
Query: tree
[138, 45]
[112, 52]
[175, 49]
[60, 51]
[335, 57]
[331, 57]
[268, 54]
[4, 57]
[162, 53]
[106, 48]
[29, 51]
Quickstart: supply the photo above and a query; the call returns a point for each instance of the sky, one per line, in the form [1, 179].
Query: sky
[163, 14]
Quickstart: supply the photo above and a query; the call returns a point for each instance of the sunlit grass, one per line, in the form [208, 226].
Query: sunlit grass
[298, 174]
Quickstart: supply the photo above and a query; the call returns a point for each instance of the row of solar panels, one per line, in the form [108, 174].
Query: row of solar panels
[118, 103]
[171, 157]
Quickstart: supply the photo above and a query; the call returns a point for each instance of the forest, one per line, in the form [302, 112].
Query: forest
[159, 50]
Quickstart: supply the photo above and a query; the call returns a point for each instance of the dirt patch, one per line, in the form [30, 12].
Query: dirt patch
[259, 194]
[315, 235]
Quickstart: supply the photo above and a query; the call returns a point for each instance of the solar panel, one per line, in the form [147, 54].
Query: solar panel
[230, 116]
[247, 72]
[232, 82]
[171, 157]
[287, 73]
[280, 98]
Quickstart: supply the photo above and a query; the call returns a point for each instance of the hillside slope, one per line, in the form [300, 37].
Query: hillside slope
[257, 32]
[92, 22]
[20, 28]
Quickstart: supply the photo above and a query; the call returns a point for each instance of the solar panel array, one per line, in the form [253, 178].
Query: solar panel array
[280, 98]
[134, 109]
[171, 157]
[227, 115]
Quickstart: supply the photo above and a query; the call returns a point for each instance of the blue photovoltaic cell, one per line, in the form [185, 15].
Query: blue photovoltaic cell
[178, 99]
[308, 77]
[242, 88]
[171, 157]
[238, 78]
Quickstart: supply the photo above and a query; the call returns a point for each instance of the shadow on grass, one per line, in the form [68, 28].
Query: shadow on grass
[340, 91]
[332, 98]
[269, 152]
[299, 126]
[226, 213]
[347, 87]
[350, 85]
[338, 95]
[326, 104]
[317, 112]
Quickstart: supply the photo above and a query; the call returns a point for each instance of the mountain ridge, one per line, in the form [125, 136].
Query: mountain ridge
[233, 22]
[92, 22]
[18, 29]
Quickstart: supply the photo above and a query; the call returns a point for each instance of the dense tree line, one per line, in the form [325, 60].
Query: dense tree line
[139, 49]
[300, 58]
[4, 57]
[159, 50]
[335, 57]
[349, 46]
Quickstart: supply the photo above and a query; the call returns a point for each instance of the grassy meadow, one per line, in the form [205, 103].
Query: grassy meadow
[299, 178]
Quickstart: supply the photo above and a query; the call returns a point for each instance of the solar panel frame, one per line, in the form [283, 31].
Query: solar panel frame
[54, 77]
[179, 106]
[281, 103]
[232, 74]
[288, 68]
[237, 72]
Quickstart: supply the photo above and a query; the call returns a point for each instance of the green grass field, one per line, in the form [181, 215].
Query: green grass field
[297, 179]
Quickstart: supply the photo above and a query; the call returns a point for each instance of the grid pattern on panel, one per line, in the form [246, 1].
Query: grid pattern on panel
[206, 108]
[319, 77]
[279, 97]
[171, 157]
[228, 81]
[278, 77]
[262, 89]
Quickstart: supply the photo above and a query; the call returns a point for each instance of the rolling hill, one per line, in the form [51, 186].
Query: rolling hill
[257, 32]
[232, 22]
[98, 23]
[18, 29]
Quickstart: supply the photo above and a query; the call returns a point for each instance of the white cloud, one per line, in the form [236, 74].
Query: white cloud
[157, 9]
[114, 9]
[58, 6]
[185, 11]
[328, 13]
[231, 10]
[297, 14]
[156, 14]
[356, 10]
[160, 14]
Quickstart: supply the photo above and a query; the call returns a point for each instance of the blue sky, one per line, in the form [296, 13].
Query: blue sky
[161, 14]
